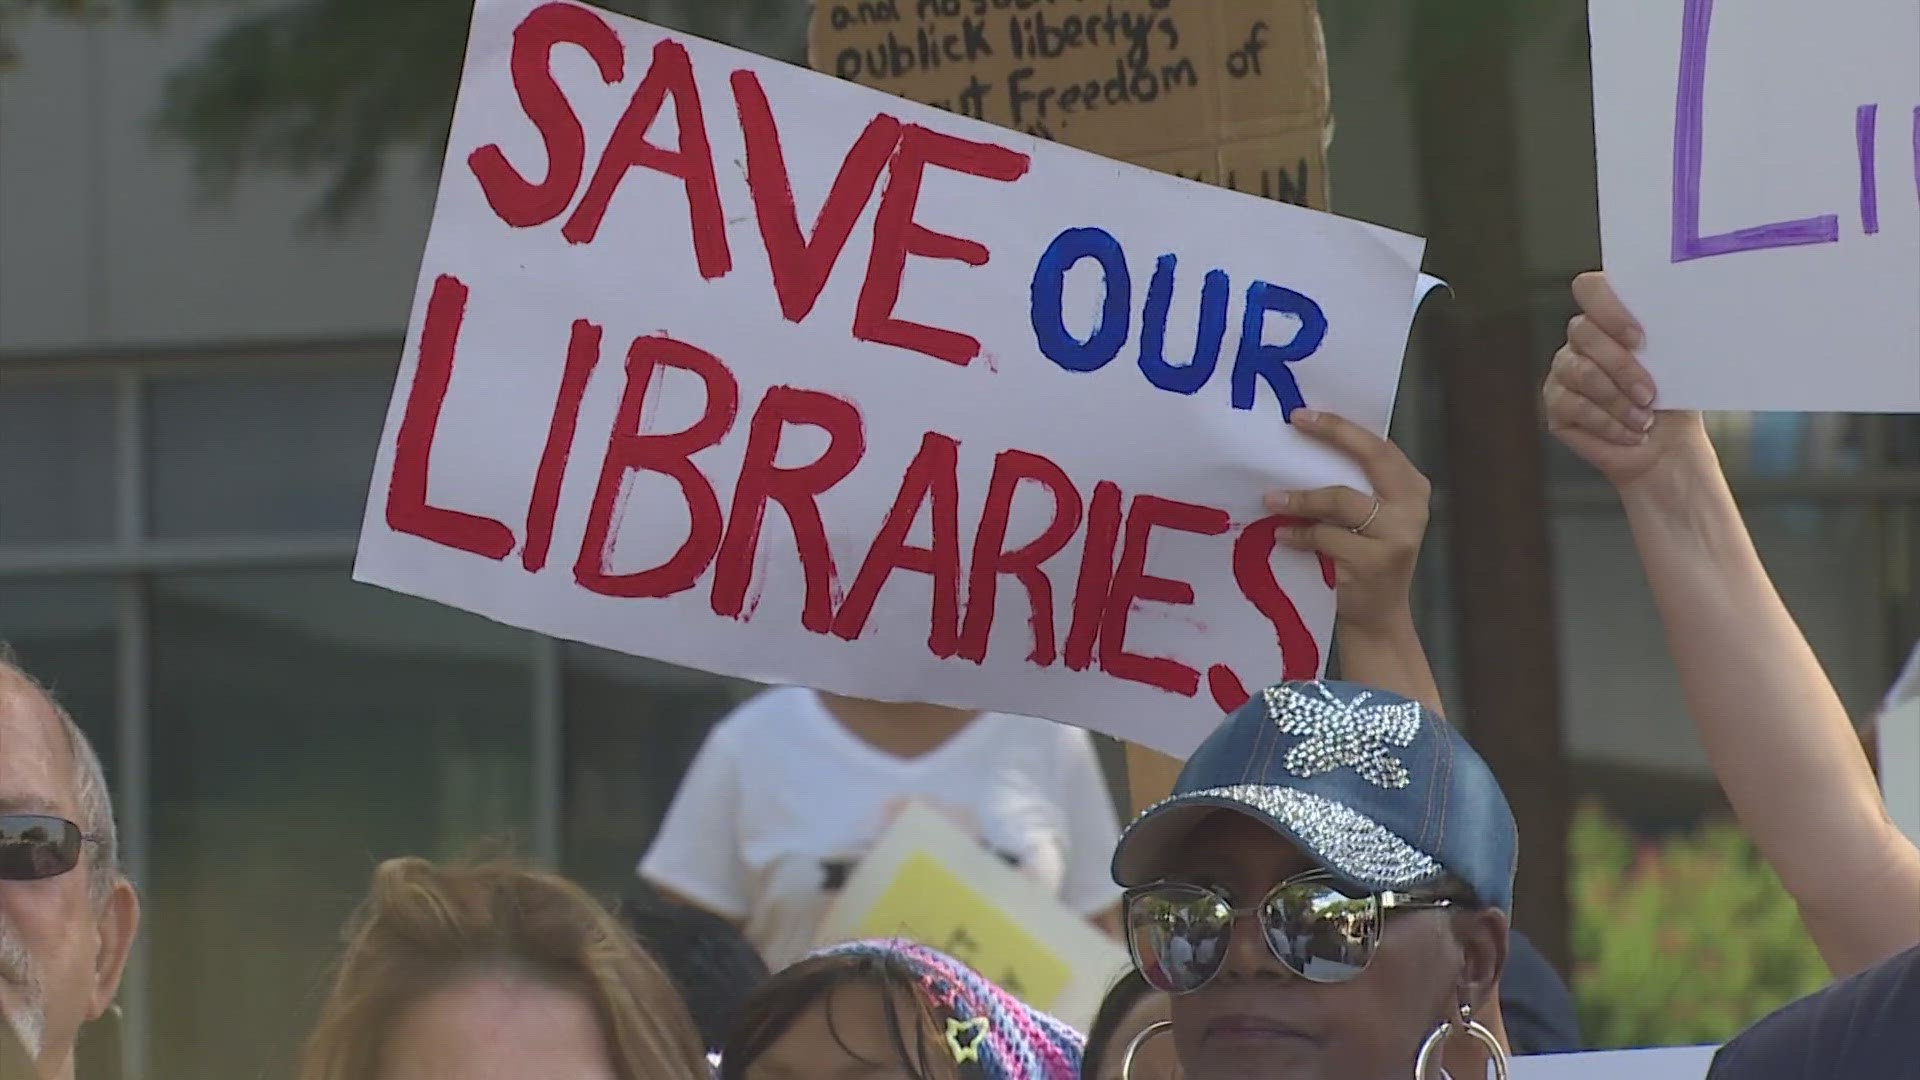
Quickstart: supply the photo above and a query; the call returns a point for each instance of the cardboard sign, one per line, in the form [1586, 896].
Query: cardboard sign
[1760, 197]
[741, 367]
[929, 882]
[1230, 92]
[1679, 1063]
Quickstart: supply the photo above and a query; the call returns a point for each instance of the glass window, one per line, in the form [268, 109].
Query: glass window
[304, 728]
[1902, 439]
[57, 440]
[63, 632]
[1772, 445]
[633, 727]
[259, 456]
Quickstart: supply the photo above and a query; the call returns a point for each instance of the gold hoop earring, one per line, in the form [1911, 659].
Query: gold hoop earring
[1462, 1025]
[1158, 1027]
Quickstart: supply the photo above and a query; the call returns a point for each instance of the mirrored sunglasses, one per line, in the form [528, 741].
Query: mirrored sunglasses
[37, 846]
[1179, 933]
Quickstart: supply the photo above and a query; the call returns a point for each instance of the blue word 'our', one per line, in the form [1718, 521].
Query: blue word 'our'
[1256, 359]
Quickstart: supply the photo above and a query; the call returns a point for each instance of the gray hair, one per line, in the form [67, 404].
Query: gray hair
[90, 789]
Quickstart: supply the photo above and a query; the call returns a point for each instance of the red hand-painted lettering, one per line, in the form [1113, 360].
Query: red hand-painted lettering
[583, 355]
[1132, 583]
[797, 489]
[932, 479]
[518, 201]
[991, 559]
[629, 451]
[407, 507]
[1253, 572]
[1104, 515]
[692, 162]
[801, 265]
[896, 235]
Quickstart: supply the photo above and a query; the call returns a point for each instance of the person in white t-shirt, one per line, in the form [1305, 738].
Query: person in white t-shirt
[795, 787]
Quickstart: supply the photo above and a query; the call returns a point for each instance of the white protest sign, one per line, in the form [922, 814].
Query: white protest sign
[927, 881]
[730, 364]
[1680, 1063]
[1760, 197]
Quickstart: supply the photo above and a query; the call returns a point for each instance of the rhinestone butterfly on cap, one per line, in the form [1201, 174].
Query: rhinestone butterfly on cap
[1337, 734]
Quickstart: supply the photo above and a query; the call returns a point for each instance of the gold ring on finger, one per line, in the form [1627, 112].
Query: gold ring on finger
[1361, 529]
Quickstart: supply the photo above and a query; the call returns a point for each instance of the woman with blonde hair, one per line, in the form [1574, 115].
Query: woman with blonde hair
[489, 970]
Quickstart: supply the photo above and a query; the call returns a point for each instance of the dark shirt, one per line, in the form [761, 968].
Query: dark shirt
[1867, 1026]
[1535, 1002]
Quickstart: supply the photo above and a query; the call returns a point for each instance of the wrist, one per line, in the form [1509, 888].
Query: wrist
[1390, 627]
[1688, 467]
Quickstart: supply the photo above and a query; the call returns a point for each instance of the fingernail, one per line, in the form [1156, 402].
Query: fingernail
[1641, 419]
[1305, 416]
[1643, 395]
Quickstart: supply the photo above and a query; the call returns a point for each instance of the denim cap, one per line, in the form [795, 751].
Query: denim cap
[1378, 790]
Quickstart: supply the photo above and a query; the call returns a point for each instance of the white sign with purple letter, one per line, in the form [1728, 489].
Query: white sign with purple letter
[1759, 167]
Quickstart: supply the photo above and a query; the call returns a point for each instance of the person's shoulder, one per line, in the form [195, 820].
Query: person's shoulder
[1861, 1022]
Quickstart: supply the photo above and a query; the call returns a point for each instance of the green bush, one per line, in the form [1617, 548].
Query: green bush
[1682, 942]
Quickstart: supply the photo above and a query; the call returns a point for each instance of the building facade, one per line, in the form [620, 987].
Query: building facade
[190, 398]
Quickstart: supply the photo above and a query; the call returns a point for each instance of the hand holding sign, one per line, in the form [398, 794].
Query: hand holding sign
[1370, 543]
[1599, 397]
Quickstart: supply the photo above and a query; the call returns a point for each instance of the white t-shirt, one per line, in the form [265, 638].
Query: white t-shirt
[783, 801]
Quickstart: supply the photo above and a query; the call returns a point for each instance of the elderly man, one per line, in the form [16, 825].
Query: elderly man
[67, 916]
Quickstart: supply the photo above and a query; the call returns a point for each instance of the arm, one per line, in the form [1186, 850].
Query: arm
[1390, 658]
[1778, 736]
[695, 858]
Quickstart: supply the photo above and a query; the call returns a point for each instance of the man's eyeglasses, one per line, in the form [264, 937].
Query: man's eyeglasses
[1178, 933]
[36, 846]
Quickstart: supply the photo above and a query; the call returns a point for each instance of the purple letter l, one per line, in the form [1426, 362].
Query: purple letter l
[1688, 129]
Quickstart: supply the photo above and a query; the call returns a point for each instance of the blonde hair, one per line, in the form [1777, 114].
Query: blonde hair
[424, 928]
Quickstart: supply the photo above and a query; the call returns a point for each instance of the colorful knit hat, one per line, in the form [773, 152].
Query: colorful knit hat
[985, 1024]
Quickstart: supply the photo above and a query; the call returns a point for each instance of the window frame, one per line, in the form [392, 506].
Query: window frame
[132, 557]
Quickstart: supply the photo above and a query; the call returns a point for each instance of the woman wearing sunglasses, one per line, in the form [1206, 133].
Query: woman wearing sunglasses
[1325, 894]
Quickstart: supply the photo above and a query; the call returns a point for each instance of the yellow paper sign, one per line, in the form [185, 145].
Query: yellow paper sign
[928, 881]
[930, 904]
